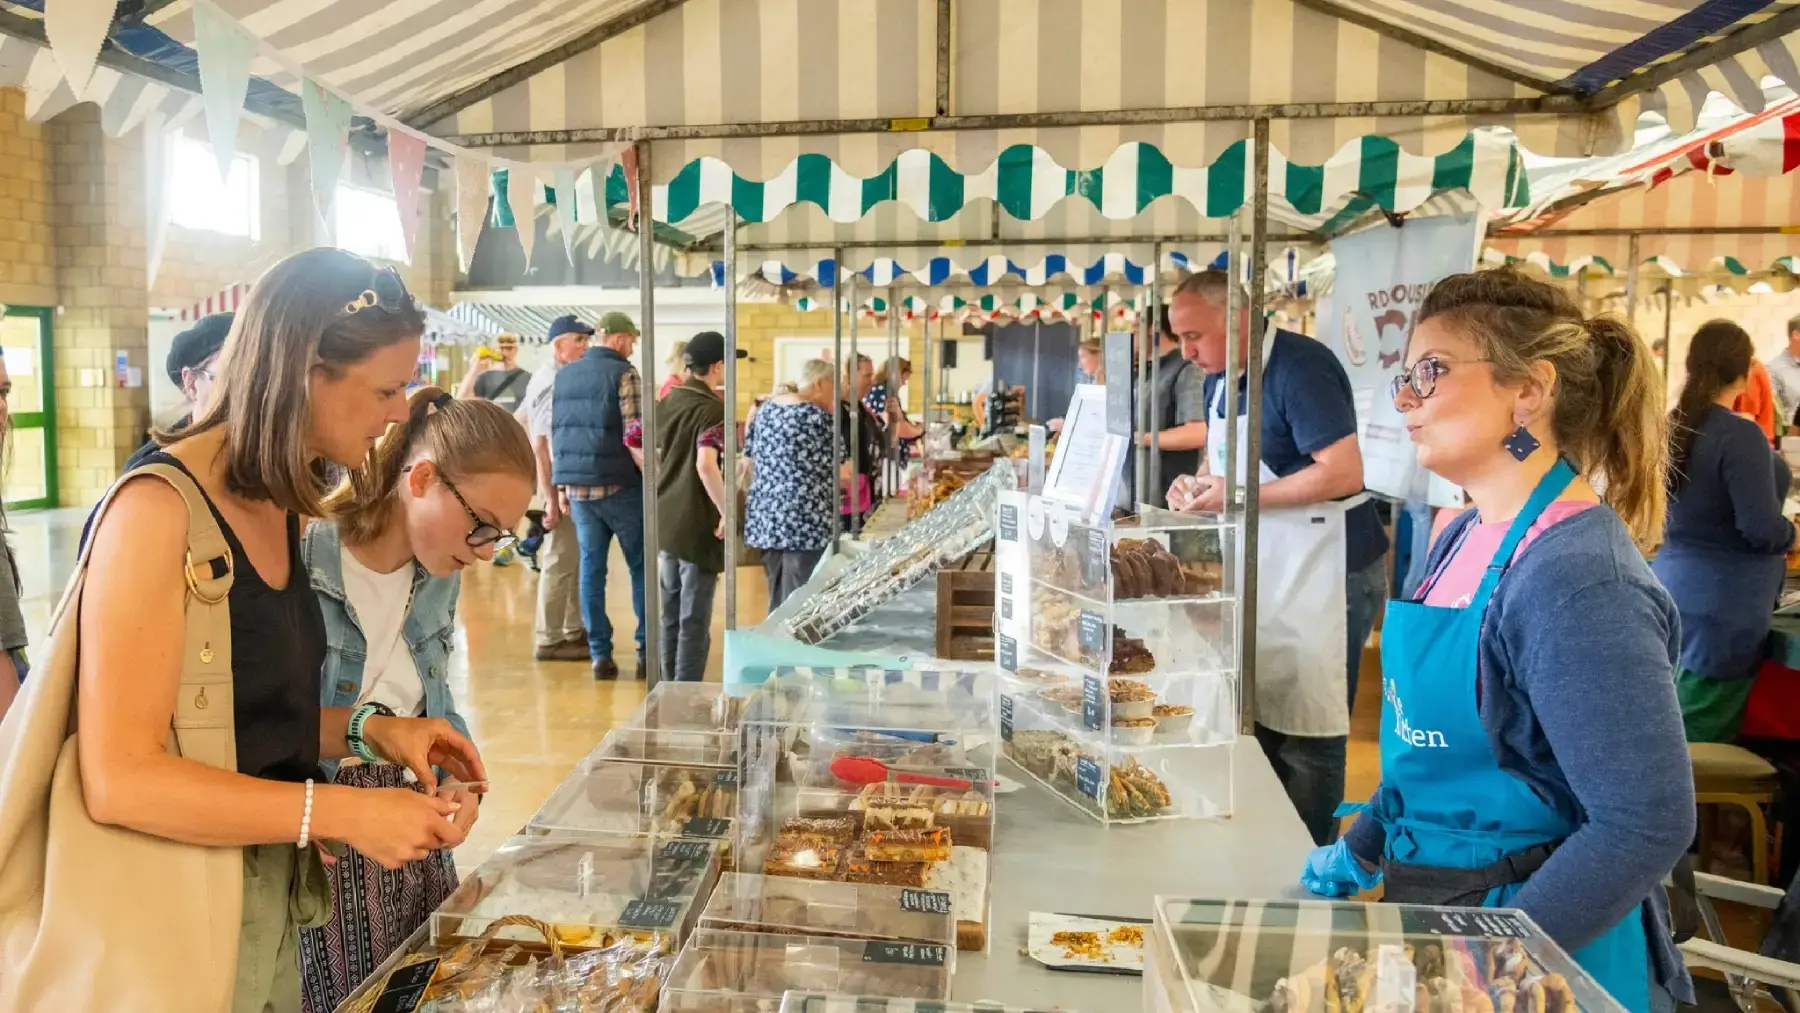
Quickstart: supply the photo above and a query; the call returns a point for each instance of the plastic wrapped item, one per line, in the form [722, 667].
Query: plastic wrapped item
[624, 797]
[592, 891]
[1317, 956]
[748, 972]
[1117, 646]
[801, 907]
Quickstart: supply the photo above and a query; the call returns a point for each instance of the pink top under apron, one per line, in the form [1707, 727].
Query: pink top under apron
[1457, 578]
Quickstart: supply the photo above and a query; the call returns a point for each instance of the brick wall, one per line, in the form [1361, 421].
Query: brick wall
[27, 275]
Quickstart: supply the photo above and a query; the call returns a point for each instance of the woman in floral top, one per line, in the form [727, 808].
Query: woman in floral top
[792, 493]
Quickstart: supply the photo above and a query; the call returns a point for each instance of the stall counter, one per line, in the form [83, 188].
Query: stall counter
[1048, 857]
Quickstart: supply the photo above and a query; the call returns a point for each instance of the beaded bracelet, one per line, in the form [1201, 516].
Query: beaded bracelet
[306, 817]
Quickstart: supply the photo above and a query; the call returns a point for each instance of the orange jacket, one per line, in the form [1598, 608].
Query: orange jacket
[1758, 399]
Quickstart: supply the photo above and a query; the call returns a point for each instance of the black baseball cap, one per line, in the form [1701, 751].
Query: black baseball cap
[569, 323]
[197, 344]
[707, 348]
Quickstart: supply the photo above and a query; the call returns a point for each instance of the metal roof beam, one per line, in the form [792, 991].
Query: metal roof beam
[453, 104]
[946, 21]
[1431, 45]
[1785, 23]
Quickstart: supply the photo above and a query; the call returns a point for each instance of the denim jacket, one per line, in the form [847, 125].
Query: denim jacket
[430, 627]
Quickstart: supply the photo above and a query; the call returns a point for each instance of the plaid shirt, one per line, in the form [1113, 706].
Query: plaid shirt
[631, 413]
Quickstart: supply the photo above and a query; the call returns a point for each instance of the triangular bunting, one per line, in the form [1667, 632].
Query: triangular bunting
[406, 163]
[521, 198]
[327, 138]
[224, 51]
[565, 209]
[75, 29]
[472, 185]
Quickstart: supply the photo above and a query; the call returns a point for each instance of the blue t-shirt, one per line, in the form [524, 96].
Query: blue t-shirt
[1308, 406]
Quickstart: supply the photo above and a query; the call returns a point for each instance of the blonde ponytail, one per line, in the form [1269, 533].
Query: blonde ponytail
[462, 436]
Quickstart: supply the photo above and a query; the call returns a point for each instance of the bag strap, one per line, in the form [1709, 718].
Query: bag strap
[204, 727]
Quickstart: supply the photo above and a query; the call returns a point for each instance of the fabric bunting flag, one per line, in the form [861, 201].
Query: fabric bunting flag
[521, 200]
[224, 51]
[566, 202]
[75, 30]
[327, 141]
[406, 164]
[472, 187]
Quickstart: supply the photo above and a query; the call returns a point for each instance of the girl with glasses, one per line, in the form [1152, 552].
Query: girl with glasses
[386, 567]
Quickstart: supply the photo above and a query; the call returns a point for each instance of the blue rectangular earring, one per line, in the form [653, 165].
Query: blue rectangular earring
[1520, 443]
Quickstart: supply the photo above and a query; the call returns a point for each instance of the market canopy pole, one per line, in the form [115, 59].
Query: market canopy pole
[650, 567]
[837, 372]
[1157, 489]
[729, 464]
[1140, 457]
[1253, 363]
[1234, 336]
[1631, 279]
[849, 371]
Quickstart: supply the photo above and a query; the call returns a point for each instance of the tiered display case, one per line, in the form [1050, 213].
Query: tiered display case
[1117, 646]
[749, 972]
[1303, 956]
[801, 733]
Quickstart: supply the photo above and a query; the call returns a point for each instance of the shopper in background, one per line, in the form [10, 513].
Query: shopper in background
[1756, 401]
[676, 364]
[690, 502]
[595, 402]
[1178, 433]
[387, 567]
[1724, 551]
[897, 372]
[558, 630]
[1323, 575]
[1531, 746]
[791, 461]
[1090, 362]
[860, 494]
[1784, 376]
[318, 359]
[498, 380]
[193, 366]
[13, 664]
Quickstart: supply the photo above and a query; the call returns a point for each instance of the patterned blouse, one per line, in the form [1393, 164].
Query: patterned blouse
[792, 488]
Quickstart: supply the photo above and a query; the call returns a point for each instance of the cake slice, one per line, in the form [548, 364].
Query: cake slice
[932, 845]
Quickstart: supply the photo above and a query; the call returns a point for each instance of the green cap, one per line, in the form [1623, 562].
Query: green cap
[617, 322]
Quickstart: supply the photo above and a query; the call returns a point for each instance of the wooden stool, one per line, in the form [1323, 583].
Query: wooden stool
[1725, 774]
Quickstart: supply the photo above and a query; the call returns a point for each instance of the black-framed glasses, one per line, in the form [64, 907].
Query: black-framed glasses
[1423, 377]
[482, 533]
[386, 292]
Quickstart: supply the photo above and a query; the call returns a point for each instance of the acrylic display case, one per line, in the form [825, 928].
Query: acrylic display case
[827, 763]
[819, 1002]
[610, 796]
[1314, 956]
[671, 747]
[1117, 651]
[749, 972]
[688, 706]
[782, 905]
[589, 892]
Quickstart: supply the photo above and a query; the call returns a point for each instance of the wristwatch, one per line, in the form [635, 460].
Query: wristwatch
[353, 733]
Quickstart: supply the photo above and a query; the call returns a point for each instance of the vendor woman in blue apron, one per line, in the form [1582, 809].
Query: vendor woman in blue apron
[1531, 746]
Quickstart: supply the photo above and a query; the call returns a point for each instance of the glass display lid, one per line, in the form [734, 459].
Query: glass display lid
[783, 905]
[689, 706]
[680, 747]
[616, 796]
[750, 972]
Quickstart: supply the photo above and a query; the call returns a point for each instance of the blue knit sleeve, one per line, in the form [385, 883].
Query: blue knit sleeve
[1750, 480]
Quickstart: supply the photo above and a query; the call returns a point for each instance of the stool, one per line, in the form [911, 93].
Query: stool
[1725, 774]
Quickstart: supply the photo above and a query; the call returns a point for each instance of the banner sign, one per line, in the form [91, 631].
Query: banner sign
[1383, 275]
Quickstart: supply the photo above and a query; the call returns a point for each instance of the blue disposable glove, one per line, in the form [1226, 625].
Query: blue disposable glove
[1332, 871]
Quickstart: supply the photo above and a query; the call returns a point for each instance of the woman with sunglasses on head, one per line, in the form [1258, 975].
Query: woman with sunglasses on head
[1531, 746]
[387, 568]
[312, 375]
[1724, 552]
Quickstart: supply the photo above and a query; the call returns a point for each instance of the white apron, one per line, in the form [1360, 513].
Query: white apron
[1300, 621]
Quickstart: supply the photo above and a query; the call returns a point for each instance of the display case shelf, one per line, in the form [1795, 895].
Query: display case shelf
[1117, 651]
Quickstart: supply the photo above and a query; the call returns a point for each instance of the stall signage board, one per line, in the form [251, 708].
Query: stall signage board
[1093, 703]
[1119, 371]
[1090, 458]
[405, 988]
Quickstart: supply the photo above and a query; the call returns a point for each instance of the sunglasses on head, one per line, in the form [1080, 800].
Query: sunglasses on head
[386, 292]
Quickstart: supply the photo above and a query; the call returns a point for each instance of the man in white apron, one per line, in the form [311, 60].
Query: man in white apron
[1321, 570]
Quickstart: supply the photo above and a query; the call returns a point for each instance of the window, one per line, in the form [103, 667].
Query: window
[368, 223]
[198, 200]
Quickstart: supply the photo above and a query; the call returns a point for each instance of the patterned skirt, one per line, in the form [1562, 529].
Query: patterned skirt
[373, 911]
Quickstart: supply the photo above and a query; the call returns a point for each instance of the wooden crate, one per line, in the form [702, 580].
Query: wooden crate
[965, 609]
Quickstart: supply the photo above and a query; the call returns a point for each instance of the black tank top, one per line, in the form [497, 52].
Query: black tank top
[277, 653]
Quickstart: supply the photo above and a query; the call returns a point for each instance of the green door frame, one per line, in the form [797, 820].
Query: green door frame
[45, 419]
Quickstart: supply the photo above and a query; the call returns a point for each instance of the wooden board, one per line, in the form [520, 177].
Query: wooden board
[965, 609]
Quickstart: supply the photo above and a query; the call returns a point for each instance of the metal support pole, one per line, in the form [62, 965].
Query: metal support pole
[837, 373]
[1037, 348]
[1234, 342]
[1631, 279]
[1157, 488]
[890, 438]
[1140, 473]
[652, 618]
[729, 464]
[1668, 294]
[925, 371]
[850, 370]
[1253, 363]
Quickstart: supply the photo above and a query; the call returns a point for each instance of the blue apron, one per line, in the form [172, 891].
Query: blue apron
[1452, 814]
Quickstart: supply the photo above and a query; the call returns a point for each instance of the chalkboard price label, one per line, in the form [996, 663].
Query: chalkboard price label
[1093, 703]
[1087, 776]
[725, 779]
[1009, 522]
[1006, 717]
[976, 774]
[650, 914]
[1006, 583]
[1006, 608]
[705, 826]
[1007, 650]
[930, 902]
[1091, 633]
[405, 988]
[917, 954]
[1096, 559]
[1480, 922]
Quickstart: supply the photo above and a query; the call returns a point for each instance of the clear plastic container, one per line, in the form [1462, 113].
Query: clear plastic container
[1288, 956]
[820, 1002]
[689, 706]
[622, 797]
[689, 747]
[745, 902]
[591, 891]
[1117, 647]
[749, 972]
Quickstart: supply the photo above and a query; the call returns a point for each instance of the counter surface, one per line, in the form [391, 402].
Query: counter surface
[1048, 856]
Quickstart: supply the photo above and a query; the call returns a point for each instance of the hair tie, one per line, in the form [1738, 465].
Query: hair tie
[442, 401]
